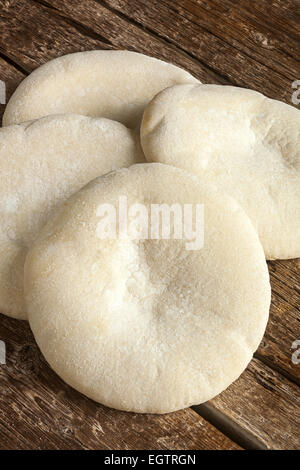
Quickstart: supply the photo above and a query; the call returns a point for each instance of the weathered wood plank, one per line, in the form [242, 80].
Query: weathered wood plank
[279, 15]
[254, 34]
[55, 35]
[284, 323]
[265, 404]
[39, 411]
[31, 35]
[204, 34]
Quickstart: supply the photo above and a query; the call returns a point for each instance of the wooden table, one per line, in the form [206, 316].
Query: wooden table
[251, 44]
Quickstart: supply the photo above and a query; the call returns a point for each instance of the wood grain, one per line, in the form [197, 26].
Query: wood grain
[284, 322]
[122, 34]
[265, 405]
[220, 41]
[39, 411]
[32, 35]
[203, 31]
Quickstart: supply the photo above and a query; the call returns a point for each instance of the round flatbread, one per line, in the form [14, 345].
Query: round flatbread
[147, 325]
[247, 144]
[112, 84]
[41, 164]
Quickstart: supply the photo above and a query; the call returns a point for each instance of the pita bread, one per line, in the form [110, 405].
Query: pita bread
[245, 143]
[147, 325]
[41, 164]
[112, 84]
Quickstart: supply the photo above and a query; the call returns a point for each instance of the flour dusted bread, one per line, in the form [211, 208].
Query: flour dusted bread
[147, 325]
[247, 144]
[41, 164]
[112, 84]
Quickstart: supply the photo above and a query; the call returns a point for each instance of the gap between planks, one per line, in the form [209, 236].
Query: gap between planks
[77, 24]
[176, 10]
[13, 63]
[230, 428]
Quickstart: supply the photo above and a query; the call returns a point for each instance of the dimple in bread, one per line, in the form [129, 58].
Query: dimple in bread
[146, 325]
